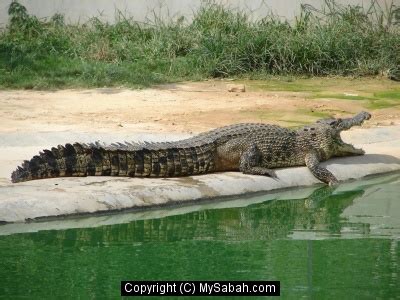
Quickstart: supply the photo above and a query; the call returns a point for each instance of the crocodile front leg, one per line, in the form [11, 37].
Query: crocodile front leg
[323, 174]
[250, 162]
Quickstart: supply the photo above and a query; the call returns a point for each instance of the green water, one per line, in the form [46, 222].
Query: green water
[321, 244]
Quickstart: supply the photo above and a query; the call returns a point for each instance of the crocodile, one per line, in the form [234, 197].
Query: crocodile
[252, 148]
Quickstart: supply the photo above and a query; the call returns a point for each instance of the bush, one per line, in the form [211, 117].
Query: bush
[336, 40]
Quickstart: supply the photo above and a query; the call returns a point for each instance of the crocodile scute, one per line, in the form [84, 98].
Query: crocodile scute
[252, 148]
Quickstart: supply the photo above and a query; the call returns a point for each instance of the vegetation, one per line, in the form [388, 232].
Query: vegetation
[218, 42]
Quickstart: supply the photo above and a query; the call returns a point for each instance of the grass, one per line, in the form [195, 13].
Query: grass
[369, 102]
[375, 100]
[61, 72]
[343, 97]
[371, 93]
[218, 42]
[283, 84]
[392, 94]
[379, 104]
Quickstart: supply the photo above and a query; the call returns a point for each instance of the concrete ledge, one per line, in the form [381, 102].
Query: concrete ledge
[367, 185]
[69, 196]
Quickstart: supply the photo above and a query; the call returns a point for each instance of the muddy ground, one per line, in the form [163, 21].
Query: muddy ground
[195, 107]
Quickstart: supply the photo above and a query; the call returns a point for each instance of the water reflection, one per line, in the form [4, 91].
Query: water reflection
[263, 221]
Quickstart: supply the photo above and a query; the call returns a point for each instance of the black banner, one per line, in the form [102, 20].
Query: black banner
[200, 288]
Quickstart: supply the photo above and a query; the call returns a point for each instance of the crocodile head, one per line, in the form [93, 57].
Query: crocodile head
[337, 126]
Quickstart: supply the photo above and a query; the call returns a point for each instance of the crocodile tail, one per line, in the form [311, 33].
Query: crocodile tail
[80, 160]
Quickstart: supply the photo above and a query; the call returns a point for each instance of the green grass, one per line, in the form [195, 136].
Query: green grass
[54, 72]
[379, 100]
[393, 94]
[294, 119]
[218, 42]
[378, 104]
[342, 97]
[283, 84]
[316, 114]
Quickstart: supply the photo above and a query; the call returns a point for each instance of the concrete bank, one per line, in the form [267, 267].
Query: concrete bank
[376, 214]
[69, 196]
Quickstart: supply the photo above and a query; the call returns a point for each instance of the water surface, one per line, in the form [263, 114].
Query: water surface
[329, 244]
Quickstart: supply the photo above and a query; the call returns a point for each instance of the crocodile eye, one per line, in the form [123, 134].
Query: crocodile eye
[312, 128]
[305, 129]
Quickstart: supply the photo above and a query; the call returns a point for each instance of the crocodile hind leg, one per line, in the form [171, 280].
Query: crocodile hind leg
[250, 163]
[323, 174]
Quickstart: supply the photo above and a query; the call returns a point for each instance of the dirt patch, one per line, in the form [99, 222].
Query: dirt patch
[183, 108]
